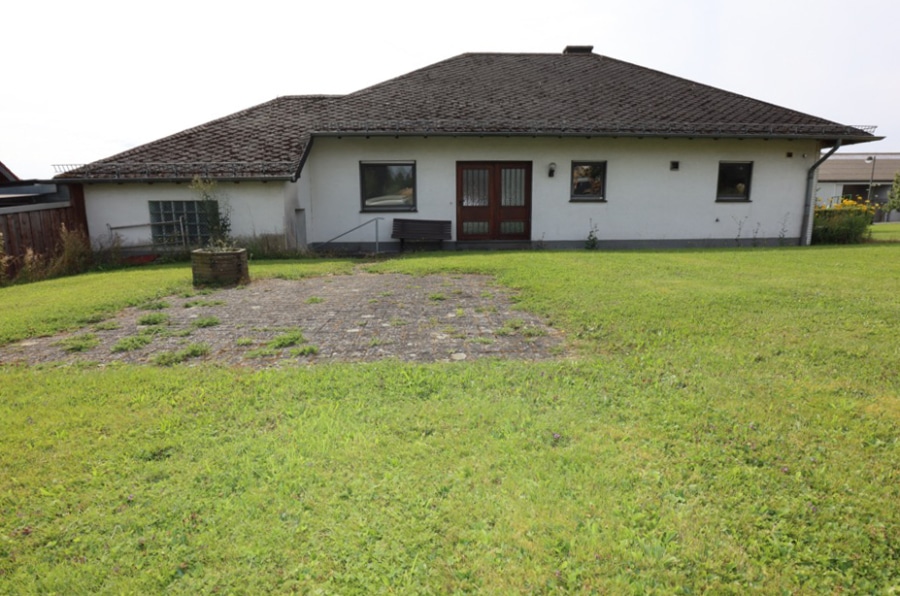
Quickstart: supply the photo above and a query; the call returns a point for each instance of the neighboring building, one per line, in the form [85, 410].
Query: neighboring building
[513, 149]
[6, 175]
[32, 214]
[866, 175]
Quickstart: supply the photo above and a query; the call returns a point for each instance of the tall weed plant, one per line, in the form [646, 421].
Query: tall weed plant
[72, 255]
[4, 262]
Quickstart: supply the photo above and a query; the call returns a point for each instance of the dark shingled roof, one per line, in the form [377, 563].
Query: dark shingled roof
[265, 141]
[472, 94]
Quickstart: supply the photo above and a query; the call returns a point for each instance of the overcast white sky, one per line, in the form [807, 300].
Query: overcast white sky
[84, 80]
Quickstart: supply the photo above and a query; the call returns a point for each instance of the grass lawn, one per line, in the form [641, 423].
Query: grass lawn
[727, 422]
[886, 232]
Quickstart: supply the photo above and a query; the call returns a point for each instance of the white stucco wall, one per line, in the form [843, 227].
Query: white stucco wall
[256, 208]
[645, 200]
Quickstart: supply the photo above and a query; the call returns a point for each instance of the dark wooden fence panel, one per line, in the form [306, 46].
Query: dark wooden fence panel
[37, 228]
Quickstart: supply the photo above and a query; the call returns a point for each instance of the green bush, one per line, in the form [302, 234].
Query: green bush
[844, 223]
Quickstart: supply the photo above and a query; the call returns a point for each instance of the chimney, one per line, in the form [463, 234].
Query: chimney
[578, 49]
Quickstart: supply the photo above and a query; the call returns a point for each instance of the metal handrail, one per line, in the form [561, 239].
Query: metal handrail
[179, 221]
[375, 219]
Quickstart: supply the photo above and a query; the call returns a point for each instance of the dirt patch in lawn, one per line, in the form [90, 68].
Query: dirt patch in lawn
[274, 322]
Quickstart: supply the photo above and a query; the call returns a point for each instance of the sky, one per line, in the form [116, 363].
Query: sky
[85, 80]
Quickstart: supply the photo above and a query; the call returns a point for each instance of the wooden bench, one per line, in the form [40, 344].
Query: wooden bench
[421, 230]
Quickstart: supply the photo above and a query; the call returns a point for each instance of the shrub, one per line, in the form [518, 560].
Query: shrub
[846, 222]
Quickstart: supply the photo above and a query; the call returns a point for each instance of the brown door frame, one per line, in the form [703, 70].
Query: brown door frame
[494, 213]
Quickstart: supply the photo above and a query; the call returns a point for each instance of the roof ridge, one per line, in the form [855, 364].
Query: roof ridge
[452, 58]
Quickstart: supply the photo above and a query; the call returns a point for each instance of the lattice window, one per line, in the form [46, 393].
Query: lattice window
[181, 222]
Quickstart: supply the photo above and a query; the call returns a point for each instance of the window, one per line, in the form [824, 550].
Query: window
[734, 181]
[388, 186]
[588, 181]
[181, 222]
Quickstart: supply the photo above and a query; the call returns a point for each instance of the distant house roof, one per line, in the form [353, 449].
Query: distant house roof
[6, 174]
[853, 167]
[575, 93]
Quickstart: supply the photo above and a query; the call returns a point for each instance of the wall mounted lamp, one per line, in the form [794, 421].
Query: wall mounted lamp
[552, 171]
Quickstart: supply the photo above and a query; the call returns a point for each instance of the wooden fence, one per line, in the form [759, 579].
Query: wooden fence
[37, 227]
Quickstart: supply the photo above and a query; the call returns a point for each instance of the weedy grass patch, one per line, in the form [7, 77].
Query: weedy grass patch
[175, 357]
[154, 305]
[304, 351]
[193, 303]
[153, 319]
[203, 322]
[729, 424]
[79, 343]
[132, 342]
[287, 339]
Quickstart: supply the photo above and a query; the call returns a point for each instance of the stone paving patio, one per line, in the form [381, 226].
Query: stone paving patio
[359, 317]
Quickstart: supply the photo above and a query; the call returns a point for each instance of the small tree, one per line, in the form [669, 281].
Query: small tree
[216, 212]
[893, 202]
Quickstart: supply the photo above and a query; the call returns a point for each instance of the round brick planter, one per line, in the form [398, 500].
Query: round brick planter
[222, 268]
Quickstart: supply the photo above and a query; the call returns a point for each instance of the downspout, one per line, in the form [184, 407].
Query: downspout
[806, 229]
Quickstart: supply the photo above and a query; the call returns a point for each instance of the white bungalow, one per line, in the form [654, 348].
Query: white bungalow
[512, 149]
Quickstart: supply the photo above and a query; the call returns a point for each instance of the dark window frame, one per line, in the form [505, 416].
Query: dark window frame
[168, 219]
[588, 197]
[727, 189]
[388, 207]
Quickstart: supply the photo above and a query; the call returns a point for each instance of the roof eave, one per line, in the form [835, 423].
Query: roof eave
[851, 140]
[170, 180]
[828, 140]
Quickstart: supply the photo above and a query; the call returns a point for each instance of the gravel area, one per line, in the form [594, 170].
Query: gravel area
[273, 322]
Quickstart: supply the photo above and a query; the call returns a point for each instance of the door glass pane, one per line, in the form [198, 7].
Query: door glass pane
[512, 227]
[512, 187]
[473, 228]
[475, 188]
